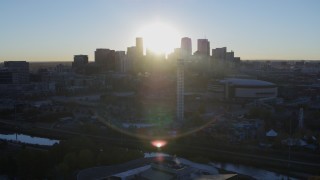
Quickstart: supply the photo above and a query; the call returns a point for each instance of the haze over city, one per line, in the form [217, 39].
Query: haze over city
[56, 30]
[161, 89]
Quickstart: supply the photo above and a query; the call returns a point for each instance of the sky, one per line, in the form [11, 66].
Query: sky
[45, 30]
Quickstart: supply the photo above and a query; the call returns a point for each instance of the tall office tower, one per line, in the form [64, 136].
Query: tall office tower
[230, 56]
[203, 47]
[19, 70]
[80, 60]
[105, 58]
[219, 53]
[139, 46]
[101, 55]
[121, 61]
[131, 58]
[186, 46]
[180, 90]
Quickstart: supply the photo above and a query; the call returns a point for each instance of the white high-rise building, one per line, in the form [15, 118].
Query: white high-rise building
[139, 46]
[180, 90]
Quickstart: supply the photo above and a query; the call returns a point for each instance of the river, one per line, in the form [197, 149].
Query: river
[23, 138]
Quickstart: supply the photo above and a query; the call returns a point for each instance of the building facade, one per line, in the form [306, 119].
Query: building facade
[105, 58]
[121, 61]
[230, 56]
[186, 46]
[19, 71]
[80, 60]
[243, 89]
[203, 47]
[139, 46]
[219, 53]
[180, 90]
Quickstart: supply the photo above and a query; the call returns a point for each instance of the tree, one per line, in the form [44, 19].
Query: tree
[70, 160]
[258, 112]
[85, 158]
[202, 108]
[33, 164]
[62, 170]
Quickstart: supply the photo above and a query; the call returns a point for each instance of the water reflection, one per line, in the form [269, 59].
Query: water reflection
[28, 139]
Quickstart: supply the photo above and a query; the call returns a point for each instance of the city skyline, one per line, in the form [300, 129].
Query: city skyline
[55, 31]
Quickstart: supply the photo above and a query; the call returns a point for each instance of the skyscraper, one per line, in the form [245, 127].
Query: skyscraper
[230, 56]
[186, 46]
[180, 90]
[139, 46]
[219, 53]
[79, 60]
[105, 58]
[131, 58]
[19, 70]
[203, 47]
[121, 61]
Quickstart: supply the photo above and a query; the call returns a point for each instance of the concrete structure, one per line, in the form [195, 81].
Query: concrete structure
[80, 60]
[203, 47]
[219, 53]
[19, 71]
[237, 59]
[186, 46]
[121, 61]
[180, 90]
[139, 46]
[6, 77]
[249, 88]
[230, 56]
[131, 57]
[105, 58]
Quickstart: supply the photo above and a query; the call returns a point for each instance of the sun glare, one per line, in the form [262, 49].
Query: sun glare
[160, 37]
[158, 143]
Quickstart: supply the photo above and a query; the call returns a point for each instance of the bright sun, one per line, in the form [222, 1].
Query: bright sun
[160, 37]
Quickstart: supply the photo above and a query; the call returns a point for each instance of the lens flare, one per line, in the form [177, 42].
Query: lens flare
[160, 37]
[170, 135]
[158, 143]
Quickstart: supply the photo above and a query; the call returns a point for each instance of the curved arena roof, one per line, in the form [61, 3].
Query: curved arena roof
[247, 82]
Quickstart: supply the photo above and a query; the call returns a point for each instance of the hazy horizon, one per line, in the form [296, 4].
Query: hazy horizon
[55, 31]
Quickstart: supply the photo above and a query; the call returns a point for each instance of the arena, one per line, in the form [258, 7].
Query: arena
[234, 88]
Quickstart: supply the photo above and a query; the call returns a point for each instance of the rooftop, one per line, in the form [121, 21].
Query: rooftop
[247, 82]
